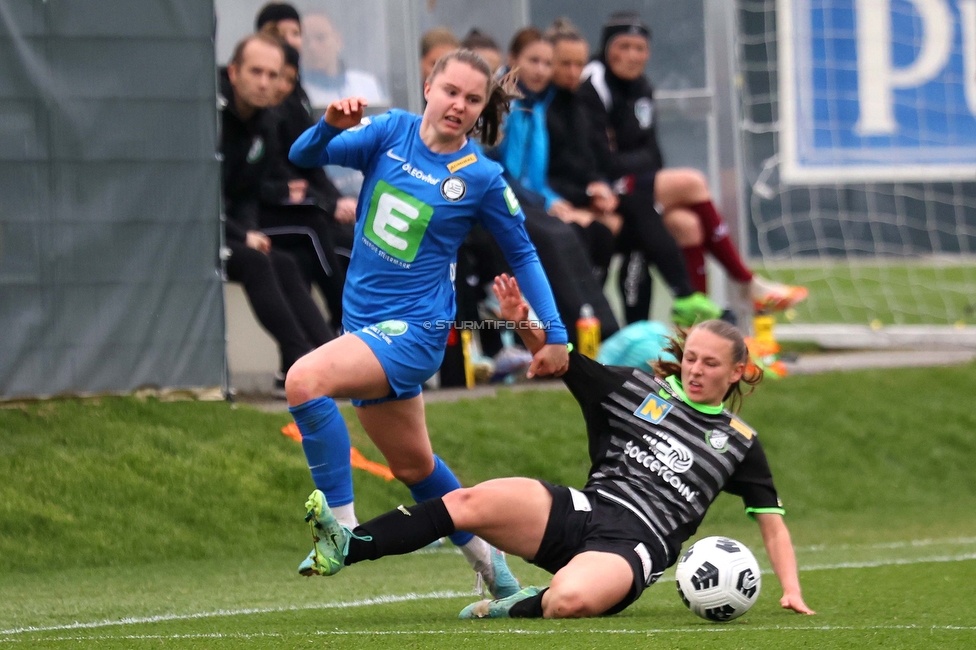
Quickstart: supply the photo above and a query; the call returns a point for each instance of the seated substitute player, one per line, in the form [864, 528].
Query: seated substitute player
[620, 102]
[326, 76]
[662, 447]
[434, 44]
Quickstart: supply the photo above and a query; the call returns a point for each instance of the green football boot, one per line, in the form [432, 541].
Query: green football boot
[330, 540]
[692, 309]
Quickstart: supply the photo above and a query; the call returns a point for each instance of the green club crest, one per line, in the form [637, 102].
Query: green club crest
[717, 440]
[256, 150]
[392, 327]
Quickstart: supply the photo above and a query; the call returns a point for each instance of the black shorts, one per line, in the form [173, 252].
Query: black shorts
[581, 521]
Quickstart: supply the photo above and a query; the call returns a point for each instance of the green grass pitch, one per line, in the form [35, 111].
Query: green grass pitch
[865, 293]
[131, 524]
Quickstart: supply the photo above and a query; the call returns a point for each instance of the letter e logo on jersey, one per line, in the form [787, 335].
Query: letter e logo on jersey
[453, 189]
[396, 221]
[653, 409]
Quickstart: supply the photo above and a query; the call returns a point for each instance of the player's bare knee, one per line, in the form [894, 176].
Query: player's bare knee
[566, 601]
[688, 185]
[462, 504]
[689, 179]
[301, 384]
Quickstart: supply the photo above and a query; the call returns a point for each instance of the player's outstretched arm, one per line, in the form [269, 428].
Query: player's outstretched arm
[513, 308]
[779, 547]
[547, 359]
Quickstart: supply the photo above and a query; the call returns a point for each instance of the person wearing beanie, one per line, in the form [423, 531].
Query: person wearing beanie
[286, 20]
[619, 104]
[617, 91]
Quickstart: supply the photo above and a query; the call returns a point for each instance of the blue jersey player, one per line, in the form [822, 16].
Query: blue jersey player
[426, 184]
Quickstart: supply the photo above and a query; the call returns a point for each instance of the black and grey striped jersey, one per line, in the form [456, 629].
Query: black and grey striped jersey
[661, 457]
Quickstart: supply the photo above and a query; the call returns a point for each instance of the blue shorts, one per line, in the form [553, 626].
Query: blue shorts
[409, 354]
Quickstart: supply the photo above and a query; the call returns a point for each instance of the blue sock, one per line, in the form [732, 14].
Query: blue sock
[440, 482]
[325, 440]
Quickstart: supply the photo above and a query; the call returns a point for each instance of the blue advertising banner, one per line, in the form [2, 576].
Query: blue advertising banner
[877, 90]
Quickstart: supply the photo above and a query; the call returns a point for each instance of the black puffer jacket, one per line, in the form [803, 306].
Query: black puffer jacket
[249, 149]
[572, 165]
[622, 126]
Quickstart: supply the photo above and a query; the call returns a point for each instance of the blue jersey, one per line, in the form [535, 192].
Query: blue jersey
[415, 209]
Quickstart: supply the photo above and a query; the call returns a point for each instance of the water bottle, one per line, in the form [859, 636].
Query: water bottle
[588, 332]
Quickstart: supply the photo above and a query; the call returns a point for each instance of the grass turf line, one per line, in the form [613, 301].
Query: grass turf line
[937, 611]
[178, 507]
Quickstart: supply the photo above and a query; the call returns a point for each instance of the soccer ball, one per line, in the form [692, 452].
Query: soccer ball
[718, 578]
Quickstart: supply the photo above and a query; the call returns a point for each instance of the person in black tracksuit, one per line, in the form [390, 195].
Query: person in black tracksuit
[620, 110]
[298, 205]
[573, 171]
[271, 278]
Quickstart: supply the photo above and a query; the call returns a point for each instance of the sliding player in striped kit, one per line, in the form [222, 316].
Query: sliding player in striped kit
[662, 447]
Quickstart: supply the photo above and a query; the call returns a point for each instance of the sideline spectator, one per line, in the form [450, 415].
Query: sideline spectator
[525, 154]
[297, 204]
[565, 260]
[434, 44]
[619, 104]
[484, 46]
[326, 76]
[573, 172]
[285, 23]
[617, 91]
[271, 278]
[286, 20]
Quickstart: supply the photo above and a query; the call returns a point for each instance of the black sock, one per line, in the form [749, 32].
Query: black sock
[400, 531]
[528, 608]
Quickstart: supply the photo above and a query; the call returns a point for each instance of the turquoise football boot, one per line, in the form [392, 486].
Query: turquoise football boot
[497, 608]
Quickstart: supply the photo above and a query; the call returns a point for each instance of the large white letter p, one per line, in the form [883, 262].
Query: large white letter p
[877, 78]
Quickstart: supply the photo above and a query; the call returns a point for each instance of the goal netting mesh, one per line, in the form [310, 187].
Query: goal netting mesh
[873, 251]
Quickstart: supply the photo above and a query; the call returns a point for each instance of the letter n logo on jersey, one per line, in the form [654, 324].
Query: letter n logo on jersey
[396, 221]
[653, 409]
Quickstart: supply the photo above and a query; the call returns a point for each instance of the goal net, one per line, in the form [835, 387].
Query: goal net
[858, 140]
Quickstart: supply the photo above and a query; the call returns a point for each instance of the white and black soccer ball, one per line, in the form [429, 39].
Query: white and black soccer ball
[718, 578]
